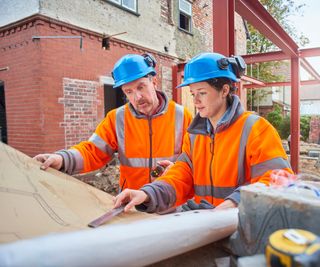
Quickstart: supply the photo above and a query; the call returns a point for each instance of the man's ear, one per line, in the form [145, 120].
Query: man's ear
[225, 90]
[154, 81]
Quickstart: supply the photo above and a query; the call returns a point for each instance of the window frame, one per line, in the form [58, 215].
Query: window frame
[184, 13]
[120, 4]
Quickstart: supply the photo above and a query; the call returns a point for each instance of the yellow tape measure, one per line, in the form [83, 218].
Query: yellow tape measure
[293, 247]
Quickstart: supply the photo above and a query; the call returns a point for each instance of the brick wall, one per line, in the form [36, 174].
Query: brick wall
[80, 101]
[167, 80]
[202, 19]
[314, 134]
[166, 11]
[21, 86]
[34, 85]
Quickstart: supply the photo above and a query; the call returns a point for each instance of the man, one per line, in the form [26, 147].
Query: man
[147, 130]
[225, 147]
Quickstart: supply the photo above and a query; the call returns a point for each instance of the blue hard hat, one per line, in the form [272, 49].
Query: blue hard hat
[207, 66]
[132, 67]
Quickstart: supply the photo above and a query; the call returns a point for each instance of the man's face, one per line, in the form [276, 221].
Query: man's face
[142, 95]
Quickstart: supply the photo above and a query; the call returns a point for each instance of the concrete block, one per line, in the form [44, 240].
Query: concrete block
[263, 210]
[314, 153]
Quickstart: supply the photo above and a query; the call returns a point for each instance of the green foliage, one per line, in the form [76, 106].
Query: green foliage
[275, 117]
[284, 127]
[305, 126]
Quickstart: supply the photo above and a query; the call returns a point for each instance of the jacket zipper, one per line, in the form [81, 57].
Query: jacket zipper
[212, 154]
[150, 140]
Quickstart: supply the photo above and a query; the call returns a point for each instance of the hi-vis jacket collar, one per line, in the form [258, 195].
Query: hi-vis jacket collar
[200, 125]
[161, 111]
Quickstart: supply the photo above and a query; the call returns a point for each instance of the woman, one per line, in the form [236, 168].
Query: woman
[224, 148]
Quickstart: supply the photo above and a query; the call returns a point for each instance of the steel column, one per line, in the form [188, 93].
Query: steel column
[223, 26]
[295, 114]
[176, 80]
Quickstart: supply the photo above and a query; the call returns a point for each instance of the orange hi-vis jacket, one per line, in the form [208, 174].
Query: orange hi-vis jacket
[140, 141]
[243, 149]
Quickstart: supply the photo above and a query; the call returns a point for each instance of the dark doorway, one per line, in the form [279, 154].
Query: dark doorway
[113, 98]
[3, 117]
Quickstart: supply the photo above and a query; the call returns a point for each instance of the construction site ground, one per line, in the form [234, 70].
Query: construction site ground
[107, 178]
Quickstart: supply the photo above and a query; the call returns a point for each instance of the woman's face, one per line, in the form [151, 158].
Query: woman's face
[209, 102]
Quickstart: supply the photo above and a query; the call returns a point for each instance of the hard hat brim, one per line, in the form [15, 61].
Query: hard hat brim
[197, 80]
[150, 71]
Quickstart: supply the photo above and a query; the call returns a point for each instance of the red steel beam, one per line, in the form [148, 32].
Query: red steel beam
[295, 115]
[279, 55]
[308, 67]
[265, 57]
[223, 26]
[276, 84]
[310, 52]
[252, 80]
[254, 12]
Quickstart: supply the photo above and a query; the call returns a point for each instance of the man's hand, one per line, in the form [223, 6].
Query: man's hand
[49, 160]
[192, 205]
[166, 164]
[130, 196]
[227, 204]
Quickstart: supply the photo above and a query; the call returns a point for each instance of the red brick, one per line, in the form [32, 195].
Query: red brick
[43, 74]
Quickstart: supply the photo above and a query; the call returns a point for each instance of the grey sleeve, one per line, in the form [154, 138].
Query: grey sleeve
[162, 196]
[235, 196]
[72, 161]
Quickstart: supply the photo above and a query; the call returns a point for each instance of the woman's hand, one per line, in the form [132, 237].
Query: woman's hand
[130, 196]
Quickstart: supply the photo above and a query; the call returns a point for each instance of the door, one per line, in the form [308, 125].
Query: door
[113, 98]
[3, 117]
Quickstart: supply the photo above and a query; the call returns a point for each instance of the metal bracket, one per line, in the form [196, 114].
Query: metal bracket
[59, 37]
[4, 69]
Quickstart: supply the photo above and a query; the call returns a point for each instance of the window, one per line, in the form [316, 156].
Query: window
[185, 15]
[127, 4]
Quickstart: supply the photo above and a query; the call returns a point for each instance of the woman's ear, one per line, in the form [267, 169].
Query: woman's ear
[225, 90]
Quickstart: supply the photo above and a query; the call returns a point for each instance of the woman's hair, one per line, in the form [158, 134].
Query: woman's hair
[218, 83]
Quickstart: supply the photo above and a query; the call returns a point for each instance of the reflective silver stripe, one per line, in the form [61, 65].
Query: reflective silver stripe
[250, 121]
[144, 162]
[178, 129]
[101, 144]
[78, 159]
[272, 164]
[192, 139]
[184, 158]
[218, 192]
[120, 131]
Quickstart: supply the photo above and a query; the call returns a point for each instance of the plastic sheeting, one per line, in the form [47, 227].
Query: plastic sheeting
[137, 244]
